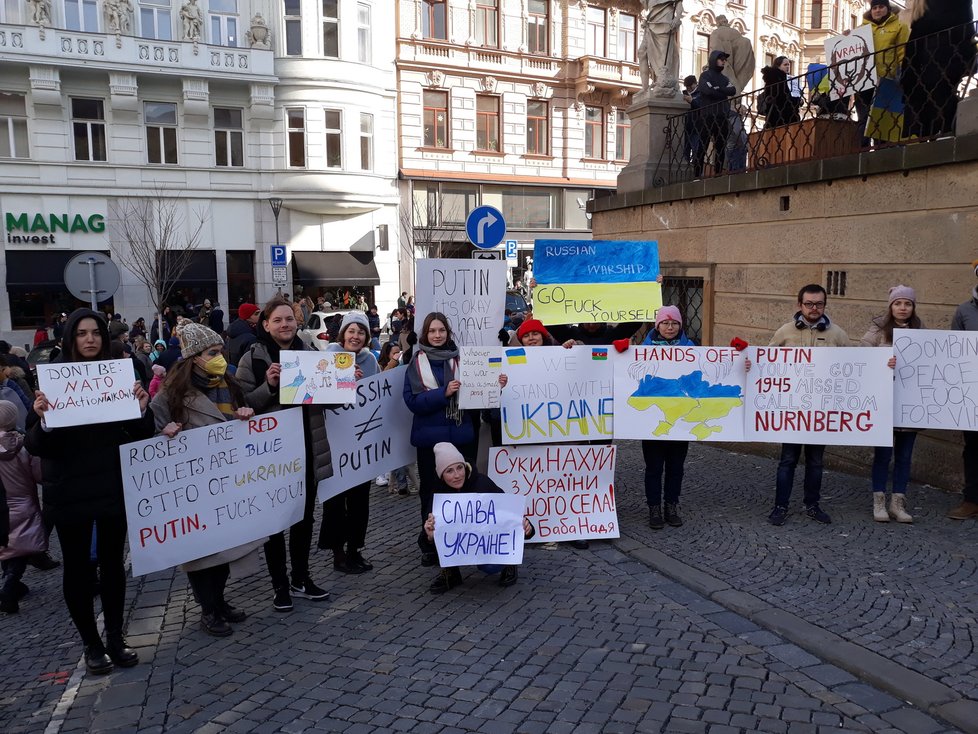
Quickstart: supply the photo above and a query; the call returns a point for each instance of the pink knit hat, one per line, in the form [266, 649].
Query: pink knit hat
[902, 291]
[668, 313]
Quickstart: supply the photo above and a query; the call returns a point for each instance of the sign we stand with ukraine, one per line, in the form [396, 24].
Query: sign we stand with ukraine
[595, 281]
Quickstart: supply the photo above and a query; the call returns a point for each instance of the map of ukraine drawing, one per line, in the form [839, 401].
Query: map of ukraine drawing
[691, 398]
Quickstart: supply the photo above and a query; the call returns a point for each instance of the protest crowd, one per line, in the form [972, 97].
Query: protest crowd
[196, 375]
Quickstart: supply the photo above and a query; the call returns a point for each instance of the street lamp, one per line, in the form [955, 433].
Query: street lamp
[276, 205]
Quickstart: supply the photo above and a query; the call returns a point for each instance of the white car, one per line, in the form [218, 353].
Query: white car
[315, 333]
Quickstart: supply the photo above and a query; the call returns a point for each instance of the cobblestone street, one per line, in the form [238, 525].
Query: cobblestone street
[724, 625]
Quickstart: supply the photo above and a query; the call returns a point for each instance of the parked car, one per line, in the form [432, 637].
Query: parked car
[41, 354]
[516, 303]
[320, 328]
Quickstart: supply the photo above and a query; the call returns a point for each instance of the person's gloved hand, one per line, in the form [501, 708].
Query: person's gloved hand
[738, 344]
[503, 337]
[622, 345]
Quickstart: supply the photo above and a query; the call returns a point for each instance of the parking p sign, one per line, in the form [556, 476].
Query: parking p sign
[278, 256]
[512, 250]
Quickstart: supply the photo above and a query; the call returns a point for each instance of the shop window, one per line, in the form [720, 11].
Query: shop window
[36, 289]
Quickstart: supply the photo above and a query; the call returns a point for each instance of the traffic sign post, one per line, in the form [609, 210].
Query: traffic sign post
[485, 227]
[92, 277]
[279, 259]
[512, 251]
[487, 254]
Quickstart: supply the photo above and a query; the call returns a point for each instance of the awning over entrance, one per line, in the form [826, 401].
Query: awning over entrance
[334, 268]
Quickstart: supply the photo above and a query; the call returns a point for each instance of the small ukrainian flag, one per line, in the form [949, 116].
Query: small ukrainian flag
[516, 356]
[495, 361]
[599, 353]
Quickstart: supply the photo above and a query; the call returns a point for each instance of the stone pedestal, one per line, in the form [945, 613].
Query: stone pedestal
[647, 166]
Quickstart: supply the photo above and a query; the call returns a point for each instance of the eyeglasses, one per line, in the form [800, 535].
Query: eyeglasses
[813, 304]
[671, 324]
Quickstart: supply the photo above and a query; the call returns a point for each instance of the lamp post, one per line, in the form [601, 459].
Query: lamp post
[276, 205]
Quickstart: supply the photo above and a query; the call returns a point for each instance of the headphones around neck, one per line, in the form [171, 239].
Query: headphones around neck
[821, 325]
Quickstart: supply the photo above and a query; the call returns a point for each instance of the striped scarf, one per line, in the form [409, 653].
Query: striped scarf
[217, 391]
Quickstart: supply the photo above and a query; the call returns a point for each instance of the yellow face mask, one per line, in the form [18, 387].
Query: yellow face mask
[215, 366]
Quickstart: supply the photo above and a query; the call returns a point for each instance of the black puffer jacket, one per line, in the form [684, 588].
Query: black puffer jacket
[241, 335]
[714, 87]
[781, 106]
[80, 468]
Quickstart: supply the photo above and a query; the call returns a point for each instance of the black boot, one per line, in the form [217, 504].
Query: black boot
[344, 564]
[449, 578]
[672, 515]
[355, 558]
[97, 660]
[119, 650]
[43, 561]
[655, 518]
[508, 576]
[215, 625]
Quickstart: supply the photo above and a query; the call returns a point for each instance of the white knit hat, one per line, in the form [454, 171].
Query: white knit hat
[446, 455]
[353, 317]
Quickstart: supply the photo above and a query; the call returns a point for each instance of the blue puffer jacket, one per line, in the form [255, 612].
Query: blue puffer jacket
[430, 425]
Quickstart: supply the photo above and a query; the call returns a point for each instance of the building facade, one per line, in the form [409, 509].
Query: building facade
[215, 106]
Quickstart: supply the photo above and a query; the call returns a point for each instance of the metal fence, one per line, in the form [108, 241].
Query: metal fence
[895, 96]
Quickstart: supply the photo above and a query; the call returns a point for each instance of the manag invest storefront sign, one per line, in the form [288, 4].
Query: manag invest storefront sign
[37, 228]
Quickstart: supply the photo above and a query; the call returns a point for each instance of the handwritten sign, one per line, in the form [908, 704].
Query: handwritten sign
[821, 395]
[212, 488]
[851, 65]
[595, 281]
[473, 529]
[88, 392]
[569, 490]
[471, 293]
[936, 382]
[556, 394]
[479, 370]
[319, 378]
[371, 436]
[679, 393]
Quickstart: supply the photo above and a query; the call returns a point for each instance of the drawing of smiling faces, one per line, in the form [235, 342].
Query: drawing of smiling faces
[343, 361]
[322, 365]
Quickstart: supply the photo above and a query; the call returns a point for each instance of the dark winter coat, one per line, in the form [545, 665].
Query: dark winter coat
[430, 424]
[782, 108]
[216, 320]
[80, 468]
[602, 336]
[241, 335]
[714, 87]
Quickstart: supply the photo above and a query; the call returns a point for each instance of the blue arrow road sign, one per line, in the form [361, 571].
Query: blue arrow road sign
[278, 256]
[485, 227]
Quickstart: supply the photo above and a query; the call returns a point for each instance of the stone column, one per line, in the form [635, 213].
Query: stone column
[649, 166]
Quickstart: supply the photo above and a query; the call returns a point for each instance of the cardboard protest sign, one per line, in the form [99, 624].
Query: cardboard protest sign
[595, 281]
[820, 395]
[556, 394]
[852, 67]
[569, 490]
[88, 392]
[212, 488]
[471, 293]
[371, 436]
[936, 383]
[317, 378]
[473, 529]
[679, 393]
[479, 370]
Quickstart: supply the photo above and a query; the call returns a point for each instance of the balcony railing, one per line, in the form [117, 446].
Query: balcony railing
[893, 97]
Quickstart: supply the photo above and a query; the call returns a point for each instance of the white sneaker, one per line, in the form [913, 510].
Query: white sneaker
[381, 481]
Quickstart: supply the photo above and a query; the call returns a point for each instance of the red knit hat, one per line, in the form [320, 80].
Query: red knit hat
[532, 325]
[247, 310]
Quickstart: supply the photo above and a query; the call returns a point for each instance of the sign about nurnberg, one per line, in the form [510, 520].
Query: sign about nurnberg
[41, 229]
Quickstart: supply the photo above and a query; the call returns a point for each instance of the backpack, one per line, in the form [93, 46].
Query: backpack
[763, 103]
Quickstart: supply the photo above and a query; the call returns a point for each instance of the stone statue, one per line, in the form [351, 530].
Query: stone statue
[40, 12]
[193, 20]
[659, 50]
[740, 65]
[117, 15]
[258, 36]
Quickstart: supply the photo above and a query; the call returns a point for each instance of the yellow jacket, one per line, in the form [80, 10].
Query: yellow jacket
[889, 38]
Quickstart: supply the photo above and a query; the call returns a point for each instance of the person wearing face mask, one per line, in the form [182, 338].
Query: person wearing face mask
[345, 516]
[665, 455]
[259, 374]
[457, 475]
[199, 392]
[81, 475]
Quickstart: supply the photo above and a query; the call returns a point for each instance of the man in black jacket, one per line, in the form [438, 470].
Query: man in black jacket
[714, 90]
[242, 332]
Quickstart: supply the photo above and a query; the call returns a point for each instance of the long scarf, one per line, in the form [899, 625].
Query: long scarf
[423, 378]
[217, 391]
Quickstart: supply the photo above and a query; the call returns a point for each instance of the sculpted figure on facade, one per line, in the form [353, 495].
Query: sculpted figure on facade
[740, 65]
[40, 12]
[659, 49]
[117, 15]
[258, 36]
[193, 20]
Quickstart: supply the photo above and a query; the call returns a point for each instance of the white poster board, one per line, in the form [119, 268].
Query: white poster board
[317, 378]
[370, 437]
[80, 393]
[471, 293]
[936, 382]
[677, 393]
[479, 370]
[820, 395]
[212, 488]
[569, 490]
[473, 529]
[556, 394]
[850, 69]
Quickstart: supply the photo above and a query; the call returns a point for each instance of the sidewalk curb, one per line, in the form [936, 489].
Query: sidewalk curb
[907, 685]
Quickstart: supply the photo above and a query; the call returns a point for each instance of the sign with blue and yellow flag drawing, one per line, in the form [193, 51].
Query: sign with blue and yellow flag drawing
[595, 281]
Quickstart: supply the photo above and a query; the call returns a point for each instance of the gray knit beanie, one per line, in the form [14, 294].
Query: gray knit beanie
[8, 415]
[354, 317]
[195, 338]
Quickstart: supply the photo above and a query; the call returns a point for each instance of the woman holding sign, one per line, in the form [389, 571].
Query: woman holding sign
[345, 516]
[457, 475]
[199, 392]
[259, 373]
[901, 314]
[431, 393]
[82, 478]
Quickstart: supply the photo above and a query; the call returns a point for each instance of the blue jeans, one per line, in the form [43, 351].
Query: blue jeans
[903, 451]
[790, 454]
